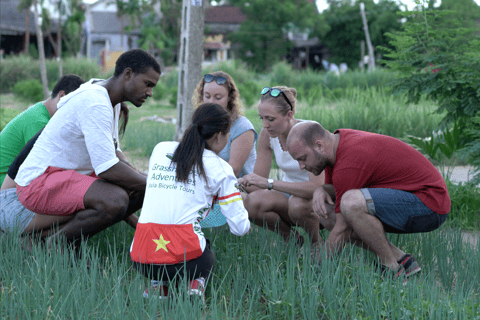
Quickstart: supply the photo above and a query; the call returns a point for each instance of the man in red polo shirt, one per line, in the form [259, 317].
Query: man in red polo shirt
[379, 184]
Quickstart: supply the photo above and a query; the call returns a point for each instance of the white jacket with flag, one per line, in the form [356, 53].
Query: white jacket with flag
[168, 230]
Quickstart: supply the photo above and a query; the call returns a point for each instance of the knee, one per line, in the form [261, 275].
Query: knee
[352, 203]
[115, 205]
[300, 209]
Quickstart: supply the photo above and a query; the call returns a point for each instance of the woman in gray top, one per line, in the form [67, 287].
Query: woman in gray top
[219, 87]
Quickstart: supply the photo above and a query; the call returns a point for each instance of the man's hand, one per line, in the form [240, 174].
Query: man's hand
[338, 237]
[320, 197]
[132, 220]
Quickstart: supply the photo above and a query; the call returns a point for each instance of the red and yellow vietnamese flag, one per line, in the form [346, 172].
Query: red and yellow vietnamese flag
[165, 243]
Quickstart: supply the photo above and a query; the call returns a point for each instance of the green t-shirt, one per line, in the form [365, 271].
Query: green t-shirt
[18, 132]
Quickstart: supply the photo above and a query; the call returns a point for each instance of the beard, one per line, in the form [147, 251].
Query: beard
[319, 164]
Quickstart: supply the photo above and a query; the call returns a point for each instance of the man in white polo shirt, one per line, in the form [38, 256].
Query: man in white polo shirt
[73, 169]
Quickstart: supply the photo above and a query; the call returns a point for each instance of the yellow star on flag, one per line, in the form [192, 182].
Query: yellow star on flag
[161, 243]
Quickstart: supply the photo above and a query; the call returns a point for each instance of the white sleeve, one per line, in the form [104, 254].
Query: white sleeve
[231, 203]
[115, 126]
[96, 122]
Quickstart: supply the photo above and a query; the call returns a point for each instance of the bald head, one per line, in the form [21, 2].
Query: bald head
[306, 132]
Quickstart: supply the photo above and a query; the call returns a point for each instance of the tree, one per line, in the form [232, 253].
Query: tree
[72, 26]
[26, 5]
[41, 51]
[440, 60]
[47, 27]
[346, 27]
[262, 37]
[132, 10]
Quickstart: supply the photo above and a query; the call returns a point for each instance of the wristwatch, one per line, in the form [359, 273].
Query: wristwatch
[270, 184]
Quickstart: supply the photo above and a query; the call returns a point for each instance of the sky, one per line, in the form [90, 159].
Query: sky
[322, 4]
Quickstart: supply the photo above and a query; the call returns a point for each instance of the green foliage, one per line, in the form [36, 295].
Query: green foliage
[346, 27]
[262, 36]
[373, 110]
[467, 11]
[162, 36]
[465, 198]
[472, 145]
[446, 141]
[151, 35]
[438, 59]
[30, 90]
[16, 68]
[72, 27]
[255, 277]
[33, 51]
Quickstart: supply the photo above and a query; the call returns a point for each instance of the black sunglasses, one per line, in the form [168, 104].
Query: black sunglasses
[218, 79]
[274, 92]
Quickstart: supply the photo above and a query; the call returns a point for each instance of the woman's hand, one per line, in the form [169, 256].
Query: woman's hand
[253, 180]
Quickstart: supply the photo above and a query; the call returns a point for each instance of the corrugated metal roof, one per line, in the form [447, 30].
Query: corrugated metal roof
[12, 21]
[224, 14]
[108, 22]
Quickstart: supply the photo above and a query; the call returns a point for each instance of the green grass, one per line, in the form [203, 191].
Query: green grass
[256, 277]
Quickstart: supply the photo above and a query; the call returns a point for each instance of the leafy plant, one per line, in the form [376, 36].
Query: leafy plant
[439, 60]
[30, 90]
[447, 141]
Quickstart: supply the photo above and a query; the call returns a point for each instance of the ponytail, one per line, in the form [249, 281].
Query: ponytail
[208, 119]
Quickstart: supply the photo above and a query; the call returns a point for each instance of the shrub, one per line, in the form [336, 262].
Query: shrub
[439, 60]
[161, 91]
[82, 67]
[16, 68]
[31, 90]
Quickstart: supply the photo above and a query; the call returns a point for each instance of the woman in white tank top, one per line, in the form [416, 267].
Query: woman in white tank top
[280, 204]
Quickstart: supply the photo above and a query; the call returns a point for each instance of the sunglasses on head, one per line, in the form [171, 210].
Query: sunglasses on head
[218, 79]
[274, 92]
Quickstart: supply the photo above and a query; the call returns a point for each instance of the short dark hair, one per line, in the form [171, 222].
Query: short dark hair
[67, 83]
[138, 60]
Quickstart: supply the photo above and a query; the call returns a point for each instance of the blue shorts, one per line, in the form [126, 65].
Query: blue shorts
[13, 215]
[401, 211]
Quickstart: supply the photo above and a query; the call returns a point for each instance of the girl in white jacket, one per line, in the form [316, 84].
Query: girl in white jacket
[185, 180]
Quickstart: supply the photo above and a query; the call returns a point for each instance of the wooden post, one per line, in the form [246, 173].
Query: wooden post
[190, 61]
[362, 55]
[371, 60]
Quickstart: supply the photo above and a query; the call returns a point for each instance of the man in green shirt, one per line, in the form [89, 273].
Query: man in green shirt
[24, 126]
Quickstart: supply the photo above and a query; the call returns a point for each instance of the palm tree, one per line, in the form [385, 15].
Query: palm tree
[26, 5]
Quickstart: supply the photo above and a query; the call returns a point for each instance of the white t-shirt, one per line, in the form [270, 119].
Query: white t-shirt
[287, 164]
[80, 136]
[168, 202]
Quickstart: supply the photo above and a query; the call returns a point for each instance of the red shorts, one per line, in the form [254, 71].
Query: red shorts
[56, 192]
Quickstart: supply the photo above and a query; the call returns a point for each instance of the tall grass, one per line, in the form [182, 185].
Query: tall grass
[145, 135]
[256, 277]
[371, 109]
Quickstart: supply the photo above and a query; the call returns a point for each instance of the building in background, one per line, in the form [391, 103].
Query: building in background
[219, 22]
[103, 39]
[13, 26]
